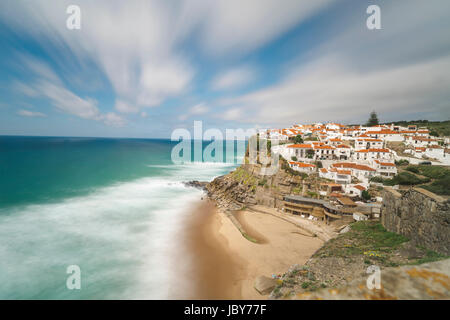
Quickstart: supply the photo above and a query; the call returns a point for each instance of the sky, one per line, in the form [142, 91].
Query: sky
[142, 69]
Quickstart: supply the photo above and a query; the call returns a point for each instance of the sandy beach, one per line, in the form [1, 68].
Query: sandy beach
[225, 264]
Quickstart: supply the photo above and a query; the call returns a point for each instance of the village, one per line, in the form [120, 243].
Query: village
[351, 161]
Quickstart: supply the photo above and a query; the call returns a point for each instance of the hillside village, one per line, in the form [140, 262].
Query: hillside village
[375, 195]
[354, 157]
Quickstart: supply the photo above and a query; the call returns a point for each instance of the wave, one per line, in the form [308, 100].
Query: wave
[121, 236]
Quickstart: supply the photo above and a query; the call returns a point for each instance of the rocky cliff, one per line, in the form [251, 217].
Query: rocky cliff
[419, 215]
[246, 186]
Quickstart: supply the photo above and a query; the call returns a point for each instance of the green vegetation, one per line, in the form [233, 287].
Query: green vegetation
[442, 128]
[366, 239]
[402, 162]
[312, 194]
[242, 176]
[294, 158]
[298, 139]
[285, 167]
[262, 182]
[366, 195]
[440, 175]
[403, 178]
[373, 119]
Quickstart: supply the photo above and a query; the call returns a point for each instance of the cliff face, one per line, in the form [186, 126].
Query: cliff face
[419, 215]
[246, 186]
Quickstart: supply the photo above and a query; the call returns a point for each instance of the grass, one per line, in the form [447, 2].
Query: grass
[249, 238]
[441, 127]
[368, 239]
[440, 178]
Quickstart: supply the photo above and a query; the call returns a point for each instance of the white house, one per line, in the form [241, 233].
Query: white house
[301, 151]
[359, 171]
[373, 154]
[324, 152]
[355, 189]
[368, 143]
[302, 167]
[343, 152]
[418, 141]
[385, 169]
[339, 176]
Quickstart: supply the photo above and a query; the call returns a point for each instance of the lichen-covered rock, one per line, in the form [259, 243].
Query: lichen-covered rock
[426, 281]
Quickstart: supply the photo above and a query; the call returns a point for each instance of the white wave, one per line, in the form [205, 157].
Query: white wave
[121, 236]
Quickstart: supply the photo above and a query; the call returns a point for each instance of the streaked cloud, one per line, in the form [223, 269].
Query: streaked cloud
[234, 78]
[27, 113]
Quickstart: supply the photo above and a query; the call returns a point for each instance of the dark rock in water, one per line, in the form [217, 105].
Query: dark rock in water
[196, 184]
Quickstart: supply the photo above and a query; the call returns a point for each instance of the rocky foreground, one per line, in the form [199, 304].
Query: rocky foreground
[338, 269]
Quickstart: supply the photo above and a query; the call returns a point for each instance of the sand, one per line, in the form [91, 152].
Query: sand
[225, 265]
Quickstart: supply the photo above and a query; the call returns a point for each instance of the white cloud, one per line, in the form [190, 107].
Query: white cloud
[236, 26]
[112, 119]
[136, 43]
[27, 113]
[198, 109]
[233, 78]
[331, 90]
[125, 107]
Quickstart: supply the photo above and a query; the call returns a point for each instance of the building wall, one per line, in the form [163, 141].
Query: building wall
[419, 215]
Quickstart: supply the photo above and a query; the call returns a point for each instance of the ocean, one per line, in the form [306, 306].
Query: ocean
[112, 207]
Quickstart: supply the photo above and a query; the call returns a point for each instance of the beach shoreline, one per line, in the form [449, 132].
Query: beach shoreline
[225, 264]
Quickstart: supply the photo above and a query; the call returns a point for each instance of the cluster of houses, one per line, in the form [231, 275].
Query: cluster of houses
[352, 155]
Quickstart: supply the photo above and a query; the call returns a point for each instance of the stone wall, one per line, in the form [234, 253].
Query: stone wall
[419, 215]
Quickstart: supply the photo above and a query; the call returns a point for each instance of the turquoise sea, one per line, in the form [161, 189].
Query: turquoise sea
[113, 207]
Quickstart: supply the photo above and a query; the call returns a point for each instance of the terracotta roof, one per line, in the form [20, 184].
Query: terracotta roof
[359, 187]
[301, 146]
[373, 150]
[371, 140]
[386, 131]
[342, 146]
[348, 172]
[302, 165]
[349, 165]
[323, 147]
[387, 164]
[323, 170]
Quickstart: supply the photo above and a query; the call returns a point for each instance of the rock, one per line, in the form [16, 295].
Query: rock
[344, 230]
[196, 184]
[426, 281]
[264, 285]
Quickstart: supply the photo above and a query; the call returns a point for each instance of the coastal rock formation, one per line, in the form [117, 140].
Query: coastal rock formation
[427, 281]
[419, 215]
[196, 184]
[247, 185]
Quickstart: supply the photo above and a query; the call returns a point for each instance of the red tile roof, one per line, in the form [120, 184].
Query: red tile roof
[302, 165]
[301, 146]
[349, 165]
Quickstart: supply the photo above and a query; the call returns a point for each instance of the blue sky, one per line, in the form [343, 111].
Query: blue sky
[145, 68]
